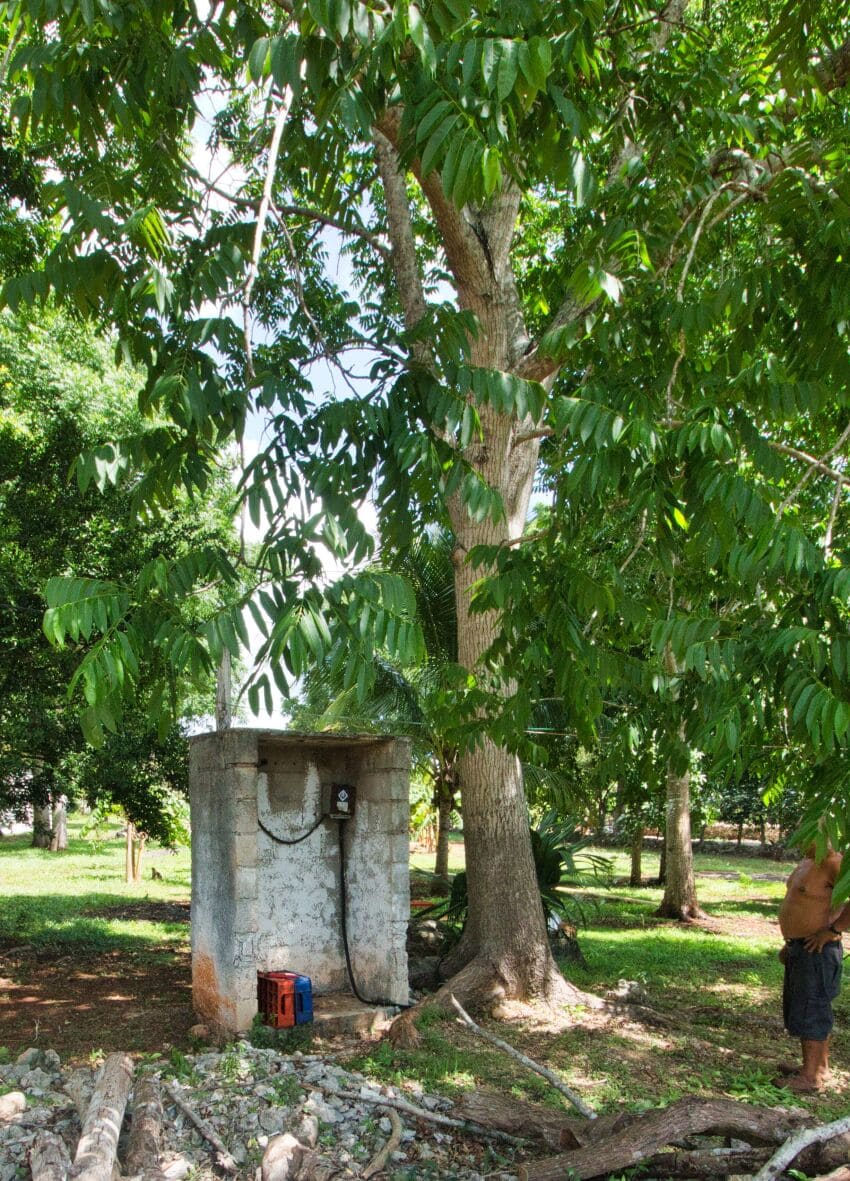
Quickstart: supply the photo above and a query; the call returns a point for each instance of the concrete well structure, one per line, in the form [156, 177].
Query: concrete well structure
[266, 881]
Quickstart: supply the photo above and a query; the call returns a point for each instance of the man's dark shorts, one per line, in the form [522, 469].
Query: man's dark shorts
[812, 982]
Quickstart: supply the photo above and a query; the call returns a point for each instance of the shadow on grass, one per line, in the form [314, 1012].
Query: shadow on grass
[16, 846]
[91, 923]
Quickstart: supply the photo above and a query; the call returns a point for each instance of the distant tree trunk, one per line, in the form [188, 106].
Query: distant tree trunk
[636, 876]
[763, 833]
[128, 853]
[740, 834]
[59, 838]
[662, 861]
[680, 895]
[601, 813]
[444, 798]
[138, 851]
[42, 827]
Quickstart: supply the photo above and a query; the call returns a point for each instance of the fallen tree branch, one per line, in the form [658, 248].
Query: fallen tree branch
[577, 1102]
[98, 1146]
[49, 1158]
[145, 1131]
[650, 1132]
[444, 1121]
[517, 1116]
[224, 1158]
[380, 1158]
[796, 1143]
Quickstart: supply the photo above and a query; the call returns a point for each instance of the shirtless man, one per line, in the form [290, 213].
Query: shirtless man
[812, 955]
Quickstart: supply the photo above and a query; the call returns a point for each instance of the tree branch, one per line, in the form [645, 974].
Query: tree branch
[403, 256]
[464, 252]
[336, 223]
[262, 214]
[834, 72]
[796, 1143]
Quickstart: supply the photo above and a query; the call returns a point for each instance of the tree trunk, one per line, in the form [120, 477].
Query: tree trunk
[42, 828]
[128, 853]
[740, 834]
[504, 950]
[636, 875]
[138, 851]
[444, 795]
[662, 861]
[680, 895]
[59, 837]
[98, 1144]
[650, 1131]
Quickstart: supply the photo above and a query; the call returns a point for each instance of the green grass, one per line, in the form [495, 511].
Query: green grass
[724, 987]
[78, 898]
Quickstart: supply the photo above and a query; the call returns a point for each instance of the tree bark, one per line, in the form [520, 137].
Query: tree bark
[128, 853]
[680, 893]
[42, 827]
[59, 837]
[98, 1144]
[444, 793]
[145, 1131]
[662, 860]
[635, 874]
[646, 1134]
[49, 1158]
[504, 950]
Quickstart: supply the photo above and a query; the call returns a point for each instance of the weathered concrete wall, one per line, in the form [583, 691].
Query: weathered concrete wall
[223, 801]
[266, 866]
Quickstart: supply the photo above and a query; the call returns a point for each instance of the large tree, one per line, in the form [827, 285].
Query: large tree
[60, 394]
[532, 199]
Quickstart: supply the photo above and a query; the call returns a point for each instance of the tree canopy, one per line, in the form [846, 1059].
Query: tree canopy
[60, 394]
[611, 234]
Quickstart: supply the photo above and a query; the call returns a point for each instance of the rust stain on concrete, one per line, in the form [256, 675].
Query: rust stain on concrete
[207, 1000]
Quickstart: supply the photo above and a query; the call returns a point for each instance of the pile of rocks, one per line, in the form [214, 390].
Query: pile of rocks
[255, 1101]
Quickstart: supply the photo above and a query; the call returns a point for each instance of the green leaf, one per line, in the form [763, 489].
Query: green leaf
[421, 38]
[259, 60]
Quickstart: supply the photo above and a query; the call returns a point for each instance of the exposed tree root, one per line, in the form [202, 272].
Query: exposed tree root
[691, 913]
[481, 986]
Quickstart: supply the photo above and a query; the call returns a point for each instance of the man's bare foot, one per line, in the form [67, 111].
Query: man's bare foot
[799, 1084]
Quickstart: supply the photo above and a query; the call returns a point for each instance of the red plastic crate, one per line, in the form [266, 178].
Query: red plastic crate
[284, 999]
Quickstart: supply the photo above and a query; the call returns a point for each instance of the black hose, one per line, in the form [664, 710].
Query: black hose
[343, 904]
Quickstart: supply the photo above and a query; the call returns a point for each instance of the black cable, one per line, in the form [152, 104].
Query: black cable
[297, 841]
[344, 927]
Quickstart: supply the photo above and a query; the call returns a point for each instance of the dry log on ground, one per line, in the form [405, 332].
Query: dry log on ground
[380, 1158]
[281, 1158]
[11, 1104]
[801, 1139]
[839, 1174]
[710, 1163]
[652, 1131]
[143, 1147]
[49, 1158]
[223, 1157]
[98, 1144]
[524, 1060]
[518, 1117]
